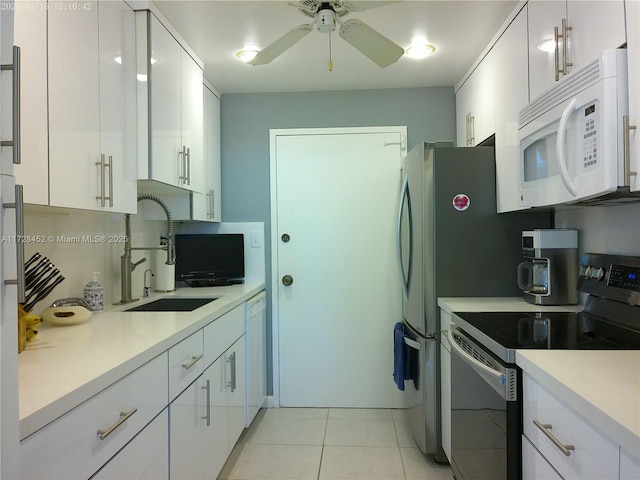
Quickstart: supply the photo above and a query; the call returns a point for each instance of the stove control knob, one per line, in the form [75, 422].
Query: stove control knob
[586, 271]
[598, 274]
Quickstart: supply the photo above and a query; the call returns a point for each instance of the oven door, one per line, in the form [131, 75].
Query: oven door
[486, 418]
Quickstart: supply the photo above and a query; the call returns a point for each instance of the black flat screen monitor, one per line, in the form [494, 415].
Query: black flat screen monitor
[210, 259]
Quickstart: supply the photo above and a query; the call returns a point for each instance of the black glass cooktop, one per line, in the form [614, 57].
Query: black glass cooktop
[552, 330]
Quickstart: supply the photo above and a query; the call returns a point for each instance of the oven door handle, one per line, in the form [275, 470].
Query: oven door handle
[496, 379]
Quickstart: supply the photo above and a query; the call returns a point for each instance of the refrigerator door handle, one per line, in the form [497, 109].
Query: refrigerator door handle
[405, 275]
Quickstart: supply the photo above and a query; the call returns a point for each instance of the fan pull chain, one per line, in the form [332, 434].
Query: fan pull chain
[330, 62]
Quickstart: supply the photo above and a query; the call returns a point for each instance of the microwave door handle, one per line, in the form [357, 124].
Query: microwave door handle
[560, 142]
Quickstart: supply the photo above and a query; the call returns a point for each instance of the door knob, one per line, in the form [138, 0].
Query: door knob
[287, 280]
[285, 237]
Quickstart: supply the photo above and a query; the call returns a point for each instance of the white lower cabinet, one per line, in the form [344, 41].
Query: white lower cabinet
[146, 457]
[534, 465]
[207, 418]
[81, 441]
[580, 451]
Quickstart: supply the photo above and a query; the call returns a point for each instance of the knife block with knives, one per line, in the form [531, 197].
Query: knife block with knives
[41, 277]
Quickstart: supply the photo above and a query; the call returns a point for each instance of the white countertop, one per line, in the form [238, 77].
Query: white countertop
[498, 304]
[603, 386]
[65, 365]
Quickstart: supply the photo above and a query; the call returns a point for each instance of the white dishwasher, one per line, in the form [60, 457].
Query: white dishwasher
[256, 341]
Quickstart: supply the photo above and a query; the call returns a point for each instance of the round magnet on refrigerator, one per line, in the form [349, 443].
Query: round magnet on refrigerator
[461, 202]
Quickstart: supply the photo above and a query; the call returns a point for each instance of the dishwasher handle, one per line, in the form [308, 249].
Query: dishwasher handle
[501, 379]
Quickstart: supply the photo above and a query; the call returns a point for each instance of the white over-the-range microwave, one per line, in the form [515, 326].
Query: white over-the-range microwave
[573, 139]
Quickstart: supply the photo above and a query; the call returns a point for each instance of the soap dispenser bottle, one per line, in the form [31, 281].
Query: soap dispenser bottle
[94, 294]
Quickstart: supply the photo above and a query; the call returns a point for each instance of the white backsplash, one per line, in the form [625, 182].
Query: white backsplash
[603, 229]
[81, 242]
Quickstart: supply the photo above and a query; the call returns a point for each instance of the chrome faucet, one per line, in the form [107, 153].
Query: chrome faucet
[127, 266]
[145, 292]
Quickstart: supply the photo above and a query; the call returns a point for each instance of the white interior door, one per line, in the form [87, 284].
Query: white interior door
[334, 233]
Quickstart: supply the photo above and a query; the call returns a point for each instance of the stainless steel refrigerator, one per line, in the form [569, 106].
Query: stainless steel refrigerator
[451, 243]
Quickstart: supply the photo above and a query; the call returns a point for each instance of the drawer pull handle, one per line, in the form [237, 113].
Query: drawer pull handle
[545, 427]
[124, 416]
[193, 361]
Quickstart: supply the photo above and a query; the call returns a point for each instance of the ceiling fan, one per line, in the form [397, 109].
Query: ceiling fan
[326, 14]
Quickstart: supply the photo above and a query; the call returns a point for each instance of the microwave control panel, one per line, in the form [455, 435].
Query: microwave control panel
[590, 136]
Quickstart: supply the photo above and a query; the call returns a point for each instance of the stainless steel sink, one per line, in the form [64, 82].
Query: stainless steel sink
[172, 304]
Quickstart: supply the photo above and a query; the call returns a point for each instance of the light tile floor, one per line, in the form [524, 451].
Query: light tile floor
[330, 444]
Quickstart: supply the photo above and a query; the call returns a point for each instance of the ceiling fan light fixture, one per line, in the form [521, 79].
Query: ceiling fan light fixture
[422, 50]
[247, 54]
[326, 22]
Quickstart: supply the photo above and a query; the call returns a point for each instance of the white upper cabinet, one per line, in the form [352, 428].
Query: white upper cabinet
[87, 72]
[176, 111]
[585, 29]
[512, 93]
[30, 34]
[207, 206]
[475, 104]
[633, 52]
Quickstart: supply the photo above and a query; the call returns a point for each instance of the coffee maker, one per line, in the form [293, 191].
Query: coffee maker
[549, 274]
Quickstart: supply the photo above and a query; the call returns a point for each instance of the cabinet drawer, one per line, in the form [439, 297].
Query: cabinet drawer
[185, 363]
[146, 457]
[534, 465]
[71, 447]
[220, 334]
[594, 456]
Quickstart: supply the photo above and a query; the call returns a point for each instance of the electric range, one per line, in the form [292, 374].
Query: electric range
[486, 383]
[610, 319]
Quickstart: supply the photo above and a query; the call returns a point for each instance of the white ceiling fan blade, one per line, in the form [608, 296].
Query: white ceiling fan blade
[289, 39]
[370, 43]
[360, 5]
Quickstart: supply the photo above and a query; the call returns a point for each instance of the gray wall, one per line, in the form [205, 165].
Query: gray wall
[428, 113]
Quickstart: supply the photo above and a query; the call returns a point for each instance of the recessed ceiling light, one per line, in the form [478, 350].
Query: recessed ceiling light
[420, 50]
[547, 45]
[247, 54]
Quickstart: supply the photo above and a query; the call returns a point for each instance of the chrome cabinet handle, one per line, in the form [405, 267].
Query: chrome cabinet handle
[110, 167]
[181, 156]
[565, 47]
[188, 166]
[207, 417]
[101, 164]
[626, 149]
[564, 36]
[124, 416]
[15, 142]
[213, 203]
[545, 427]
[18, 204]
[193, 361]
[233, 382]
[472, 131]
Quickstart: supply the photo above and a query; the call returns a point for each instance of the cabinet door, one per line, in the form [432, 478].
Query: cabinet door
[74, 106]
[543, 15]
[199, 426]
[236, 381]
[30, 34]
[534, 465]
[633, 51]
[116, 36]
[165, 162]
[595, 26]
[206, 206]
[146, 457]
[510, 57]
[475, 114]
[192, 119]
